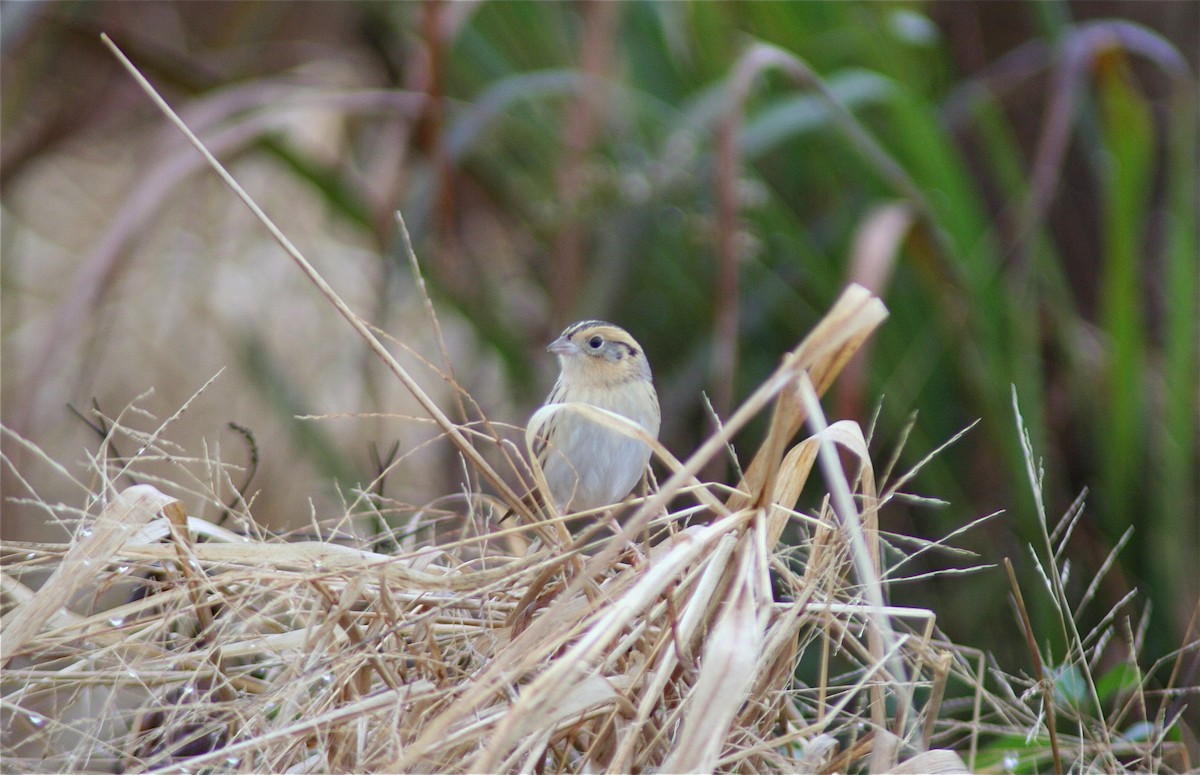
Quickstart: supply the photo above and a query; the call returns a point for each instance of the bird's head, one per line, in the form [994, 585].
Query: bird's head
[599, 353]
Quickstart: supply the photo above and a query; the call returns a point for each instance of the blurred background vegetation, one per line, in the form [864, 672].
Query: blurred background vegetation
[1018, 181]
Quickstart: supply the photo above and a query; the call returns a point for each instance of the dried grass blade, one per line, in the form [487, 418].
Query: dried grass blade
[936, 762]
[794, 471]
[128, 511]
[727, 670]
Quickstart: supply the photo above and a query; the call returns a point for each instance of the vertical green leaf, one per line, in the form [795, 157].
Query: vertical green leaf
[1176, 529]
[1127, 129]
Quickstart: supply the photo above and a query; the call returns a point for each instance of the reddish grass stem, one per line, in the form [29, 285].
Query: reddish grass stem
[1038, 671]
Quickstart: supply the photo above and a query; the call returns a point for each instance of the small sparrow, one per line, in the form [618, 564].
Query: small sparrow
[589, 465]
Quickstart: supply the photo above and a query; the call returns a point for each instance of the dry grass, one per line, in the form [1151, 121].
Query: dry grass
[687, 637]
[658, 646]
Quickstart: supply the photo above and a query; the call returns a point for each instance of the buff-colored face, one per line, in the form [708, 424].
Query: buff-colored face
[600, 352]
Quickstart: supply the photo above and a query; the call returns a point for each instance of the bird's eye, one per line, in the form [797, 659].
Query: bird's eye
[595, 342]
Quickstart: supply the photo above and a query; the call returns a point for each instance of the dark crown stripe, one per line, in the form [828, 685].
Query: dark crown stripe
[575, 328]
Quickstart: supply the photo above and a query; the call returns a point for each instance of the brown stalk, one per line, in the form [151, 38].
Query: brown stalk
[681, 648]
[599, 17]
[189, 569]
[976, 709]
[419, 276]
[434, 131]
[856, 751]
[1189, 640]
[357, 640]
[196, 582]
[1083, 45]
[725, 302]
[941, 670]
[728, 170]
[1038, 671]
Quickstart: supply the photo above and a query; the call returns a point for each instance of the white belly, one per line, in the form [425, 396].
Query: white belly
[614, 465]
[589, 466]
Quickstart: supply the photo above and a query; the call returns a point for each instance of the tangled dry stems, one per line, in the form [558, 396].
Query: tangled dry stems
[669, 641]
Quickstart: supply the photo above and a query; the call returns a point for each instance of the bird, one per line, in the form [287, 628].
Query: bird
[587, 464]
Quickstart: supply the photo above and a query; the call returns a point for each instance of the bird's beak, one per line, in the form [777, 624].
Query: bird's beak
[562, 346]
